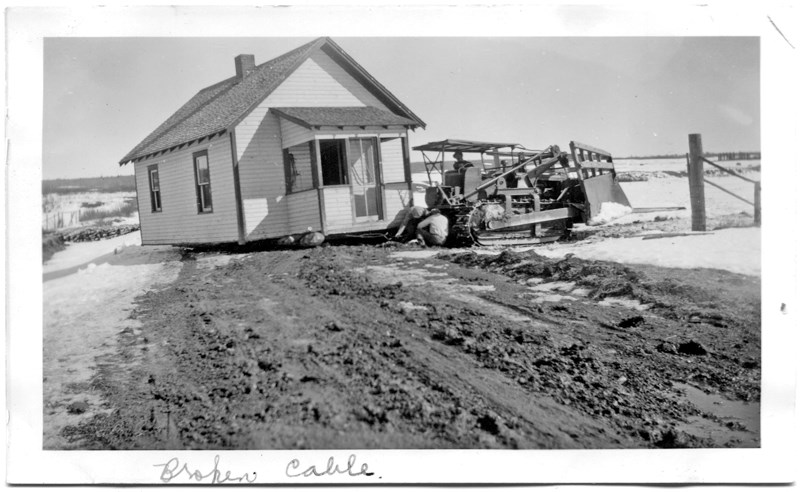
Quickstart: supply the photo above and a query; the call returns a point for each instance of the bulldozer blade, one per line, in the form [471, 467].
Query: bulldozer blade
[602, 189]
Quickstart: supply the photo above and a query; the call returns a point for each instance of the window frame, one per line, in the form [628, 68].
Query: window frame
[155, 192]
[201, 208]
[289, 170]
[304, 169]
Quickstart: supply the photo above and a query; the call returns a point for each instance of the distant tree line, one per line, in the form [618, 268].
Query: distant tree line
[103, 184]
[743, 155]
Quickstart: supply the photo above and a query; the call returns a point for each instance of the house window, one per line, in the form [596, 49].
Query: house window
[298, 169]
[333, 162]
[155, 188]
[203, 181]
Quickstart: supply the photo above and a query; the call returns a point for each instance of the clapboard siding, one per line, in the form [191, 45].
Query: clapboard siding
[303, 212]
[392, 161]
[262, 178]
[396, 197]
[179, 222]
[320, 81]
[345, 80]
[261, 136]
[338, 207]
[293, 134]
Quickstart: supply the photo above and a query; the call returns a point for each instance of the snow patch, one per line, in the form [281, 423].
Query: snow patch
[610, 211]
[551, 286]
[480, 288]
[538, 299]
[624, 302]
[414, 254]
[406, 307]
[212, 261]
[84, 311]
[736, 250]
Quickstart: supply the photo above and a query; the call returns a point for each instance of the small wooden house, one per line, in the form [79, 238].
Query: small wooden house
[308, 141]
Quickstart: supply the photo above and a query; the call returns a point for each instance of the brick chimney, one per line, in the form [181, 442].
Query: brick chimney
[244, 65]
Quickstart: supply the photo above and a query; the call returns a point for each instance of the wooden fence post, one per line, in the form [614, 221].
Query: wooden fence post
[757, 202]
[696, 186]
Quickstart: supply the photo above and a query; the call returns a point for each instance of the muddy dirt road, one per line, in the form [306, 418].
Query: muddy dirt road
[391, 347]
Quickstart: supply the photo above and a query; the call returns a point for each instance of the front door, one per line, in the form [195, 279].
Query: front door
[363, 156]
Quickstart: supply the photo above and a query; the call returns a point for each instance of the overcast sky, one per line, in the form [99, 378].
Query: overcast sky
[629, 95]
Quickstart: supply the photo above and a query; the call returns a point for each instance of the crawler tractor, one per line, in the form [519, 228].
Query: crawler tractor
[521, 196]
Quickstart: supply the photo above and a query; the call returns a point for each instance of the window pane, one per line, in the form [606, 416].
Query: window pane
[331, 155]
[362, 161]
[202, 169]
[154, 180]
[205, 190]
[368, 158]
[358, 177]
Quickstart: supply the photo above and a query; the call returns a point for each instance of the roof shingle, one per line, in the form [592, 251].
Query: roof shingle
[219, 106]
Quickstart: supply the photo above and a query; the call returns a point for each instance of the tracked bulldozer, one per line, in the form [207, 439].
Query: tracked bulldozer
[521, 196]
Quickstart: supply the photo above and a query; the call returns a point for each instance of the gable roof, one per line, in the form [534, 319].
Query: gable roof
[310, 117]
[221, 106]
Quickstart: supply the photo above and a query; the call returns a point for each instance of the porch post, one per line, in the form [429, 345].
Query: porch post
[379, 185]
[407, 167]
[316, 165]
[237, 189]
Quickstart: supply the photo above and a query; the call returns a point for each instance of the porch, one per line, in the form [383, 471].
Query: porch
[346, 169]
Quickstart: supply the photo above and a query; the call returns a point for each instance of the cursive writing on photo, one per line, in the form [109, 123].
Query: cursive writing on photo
[295, 469]
[172, 469]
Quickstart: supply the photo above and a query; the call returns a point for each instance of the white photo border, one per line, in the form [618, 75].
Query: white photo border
[27, 27]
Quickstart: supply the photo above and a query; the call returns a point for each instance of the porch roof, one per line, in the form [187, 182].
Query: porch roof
[315, 117]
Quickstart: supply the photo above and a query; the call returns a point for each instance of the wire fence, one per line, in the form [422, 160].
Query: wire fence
[697, 180]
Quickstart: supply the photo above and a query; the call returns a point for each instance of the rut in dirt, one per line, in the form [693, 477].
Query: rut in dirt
[295, 350]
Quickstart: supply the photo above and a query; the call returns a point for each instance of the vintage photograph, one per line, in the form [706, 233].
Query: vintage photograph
[264, 243]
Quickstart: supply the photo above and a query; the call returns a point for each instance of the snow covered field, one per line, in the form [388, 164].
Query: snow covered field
[93, 204]
[79, 255]
[669, 192]
[74, 201]
[675, 165]
[735, 250]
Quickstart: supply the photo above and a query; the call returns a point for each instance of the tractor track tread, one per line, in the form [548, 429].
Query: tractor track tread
[464, 234]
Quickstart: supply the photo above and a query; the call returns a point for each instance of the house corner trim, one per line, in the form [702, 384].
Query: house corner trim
[237, 189]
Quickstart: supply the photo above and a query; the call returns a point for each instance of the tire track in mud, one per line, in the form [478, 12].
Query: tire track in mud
[652, 354]
[297, 349]
[497, 404]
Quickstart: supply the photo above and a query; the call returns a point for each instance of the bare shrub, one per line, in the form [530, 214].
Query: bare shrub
[126, 210]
